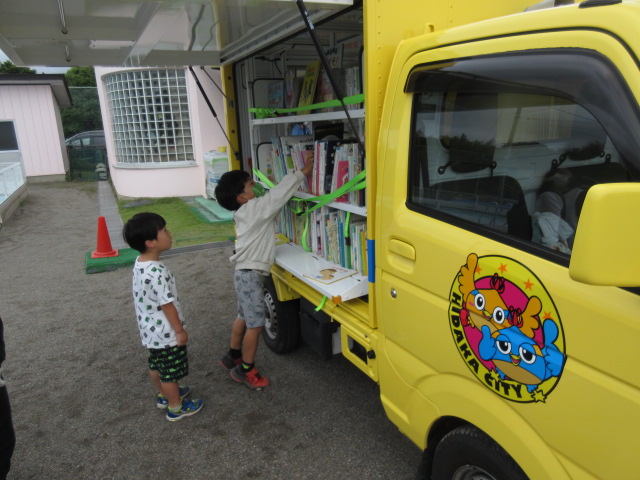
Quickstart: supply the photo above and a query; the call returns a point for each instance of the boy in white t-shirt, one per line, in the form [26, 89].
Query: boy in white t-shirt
[159, 316]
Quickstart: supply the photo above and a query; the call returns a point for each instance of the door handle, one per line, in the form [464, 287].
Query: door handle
[402, 248]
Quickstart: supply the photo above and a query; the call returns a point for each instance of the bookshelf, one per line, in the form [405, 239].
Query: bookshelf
[334, 236]
[300, 264]
[311, 117]
[347, 207]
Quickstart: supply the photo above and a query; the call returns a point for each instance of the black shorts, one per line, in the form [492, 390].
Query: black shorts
[171, 363]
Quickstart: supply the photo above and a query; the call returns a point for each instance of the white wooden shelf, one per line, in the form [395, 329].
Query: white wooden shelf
[312, 117]
[300, 263]
[346, 206]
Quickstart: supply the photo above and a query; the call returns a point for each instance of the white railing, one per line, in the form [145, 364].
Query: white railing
[11, 179]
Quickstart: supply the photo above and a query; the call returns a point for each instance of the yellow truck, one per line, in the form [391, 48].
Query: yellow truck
[500, 329]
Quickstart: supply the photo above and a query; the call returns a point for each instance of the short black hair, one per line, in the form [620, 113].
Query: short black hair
[230, 185]
[142, 227]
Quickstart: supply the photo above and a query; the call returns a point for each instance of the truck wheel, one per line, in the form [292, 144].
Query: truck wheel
[282, 326]
[467, 453]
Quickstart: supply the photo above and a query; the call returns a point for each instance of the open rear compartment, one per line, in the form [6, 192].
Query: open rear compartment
[287, 109]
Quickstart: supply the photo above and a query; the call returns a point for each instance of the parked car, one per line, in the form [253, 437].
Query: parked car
[94, 138]
[87, 151]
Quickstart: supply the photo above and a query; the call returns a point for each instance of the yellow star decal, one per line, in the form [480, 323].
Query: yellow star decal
[539, 396]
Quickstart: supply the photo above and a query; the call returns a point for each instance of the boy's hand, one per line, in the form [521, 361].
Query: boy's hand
[171, 312]
[182, 337]
[308, 166]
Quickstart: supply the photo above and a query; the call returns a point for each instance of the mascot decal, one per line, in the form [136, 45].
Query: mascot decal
[506, 328]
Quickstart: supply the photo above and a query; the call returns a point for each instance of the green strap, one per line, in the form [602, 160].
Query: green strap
[322, 302]
[274, 112]
[356, 183]
[263, 177]
[296, 205]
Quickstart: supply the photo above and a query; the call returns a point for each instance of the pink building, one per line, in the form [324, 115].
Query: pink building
[30, 108]
[31, 138]
[158, 127]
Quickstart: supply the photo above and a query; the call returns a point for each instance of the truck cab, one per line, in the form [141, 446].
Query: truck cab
[505, 150]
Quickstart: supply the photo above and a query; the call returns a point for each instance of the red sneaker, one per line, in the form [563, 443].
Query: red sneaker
[251, 379]
[229, 362]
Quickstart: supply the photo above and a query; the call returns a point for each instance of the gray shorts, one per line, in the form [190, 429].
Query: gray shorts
[249, 290]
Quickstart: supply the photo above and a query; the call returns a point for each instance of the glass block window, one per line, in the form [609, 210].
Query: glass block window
[150, 116]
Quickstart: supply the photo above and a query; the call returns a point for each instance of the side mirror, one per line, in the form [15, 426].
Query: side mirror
[606, 246]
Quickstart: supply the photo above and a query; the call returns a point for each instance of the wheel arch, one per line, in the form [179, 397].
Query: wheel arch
[497, 418]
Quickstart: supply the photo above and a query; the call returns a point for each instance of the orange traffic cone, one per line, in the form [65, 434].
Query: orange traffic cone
[104, 248]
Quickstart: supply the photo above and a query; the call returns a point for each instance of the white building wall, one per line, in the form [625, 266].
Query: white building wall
[38, 125]
[169, 181]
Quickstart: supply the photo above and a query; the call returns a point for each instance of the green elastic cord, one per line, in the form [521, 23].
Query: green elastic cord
[261, 176]
[356, 183]
[297, 204]
[322, 302]
[274, 112]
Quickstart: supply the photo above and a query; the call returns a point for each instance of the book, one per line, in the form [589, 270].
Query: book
[353, 85]
[330, 274]
[292, 87]
[287, 143]
[328, 131]
[334, 56]
[308, 89]
[341, 171]
[275, 96]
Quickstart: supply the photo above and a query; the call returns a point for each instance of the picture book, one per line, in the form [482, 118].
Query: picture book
[334, 56]
[341, 171]
[275, 98]
[292, 87]
[287, 143]
[328, 273]
[328, 131]
[324, 90]
[308, 90]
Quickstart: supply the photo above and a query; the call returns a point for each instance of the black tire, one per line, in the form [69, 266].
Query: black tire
[282, 325]
[468, 453]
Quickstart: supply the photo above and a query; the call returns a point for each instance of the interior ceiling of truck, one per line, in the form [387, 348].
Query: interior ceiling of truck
[66, 33]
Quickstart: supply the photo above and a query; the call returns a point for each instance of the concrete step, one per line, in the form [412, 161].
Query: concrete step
[211, 210]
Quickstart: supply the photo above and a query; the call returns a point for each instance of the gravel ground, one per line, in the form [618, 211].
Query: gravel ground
[83, 406]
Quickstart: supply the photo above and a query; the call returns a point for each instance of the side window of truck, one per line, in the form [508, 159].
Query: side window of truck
[508, 145]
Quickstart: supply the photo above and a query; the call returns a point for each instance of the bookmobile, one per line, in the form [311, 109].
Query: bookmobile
[468, 239]
[501, 330]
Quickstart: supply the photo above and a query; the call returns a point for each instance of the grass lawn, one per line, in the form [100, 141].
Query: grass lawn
[186, 227]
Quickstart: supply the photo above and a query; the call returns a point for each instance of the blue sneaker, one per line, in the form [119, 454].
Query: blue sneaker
[187, 408]
[162, 402]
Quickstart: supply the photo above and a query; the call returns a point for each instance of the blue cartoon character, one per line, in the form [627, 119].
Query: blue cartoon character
[517, 357]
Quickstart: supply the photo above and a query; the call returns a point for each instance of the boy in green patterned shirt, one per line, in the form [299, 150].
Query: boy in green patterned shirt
[158, 314]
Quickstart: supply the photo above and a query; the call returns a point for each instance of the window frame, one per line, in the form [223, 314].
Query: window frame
[626, 116]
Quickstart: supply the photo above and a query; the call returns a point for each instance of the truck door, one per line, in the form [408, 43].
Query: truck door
[487, 151]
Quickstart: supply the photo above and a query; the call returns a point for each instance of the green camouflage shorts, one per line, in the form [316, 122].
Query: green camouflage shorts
[171, 363]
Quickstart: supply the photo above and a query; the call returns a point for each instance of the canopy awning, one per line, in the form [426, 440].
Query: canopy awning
[132, 33]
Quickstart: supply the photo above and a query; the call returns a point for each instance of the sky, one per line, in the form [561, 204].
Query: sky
[4, 58]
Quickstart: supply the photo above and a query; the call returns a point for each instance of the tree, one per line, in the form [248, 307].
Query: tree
[7, 67]
[85, 113]
[81, 77]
